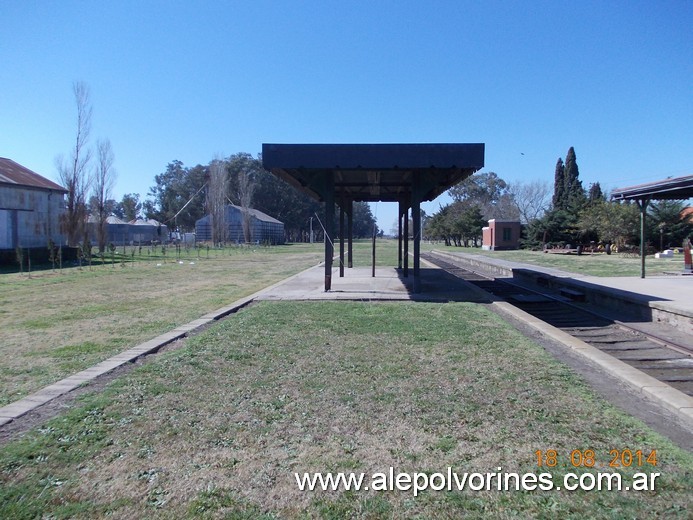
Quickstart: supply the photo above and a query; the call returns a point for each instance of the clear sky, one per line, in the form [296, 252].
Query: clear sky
[190, 80]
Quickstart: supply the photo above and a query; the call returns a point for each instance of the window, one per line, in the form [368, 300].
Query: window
[507, 234]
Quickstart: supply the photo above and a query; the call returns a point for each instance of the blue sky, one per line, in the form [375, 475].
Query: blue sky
[189, 80]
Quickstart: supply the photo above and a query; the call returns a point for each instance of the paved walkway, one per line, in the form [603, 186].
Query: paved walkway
[668, 292]
[358, 283]
[674, 292]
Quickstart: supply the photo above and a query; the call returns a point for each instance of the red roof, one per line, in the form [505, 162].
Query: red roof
[13, 173]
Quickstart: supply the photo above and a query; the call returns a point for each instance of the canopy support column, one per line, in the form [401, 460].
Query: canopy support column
[416, 231]
[342, 212]
[405, 254]
[373, 258]
[642, 203]
[329, 228]
[350, 233]
[400, 210]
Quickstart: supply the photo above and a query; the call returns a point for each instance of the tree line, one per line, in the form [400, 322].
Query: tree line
[182, 195]
[568, 214]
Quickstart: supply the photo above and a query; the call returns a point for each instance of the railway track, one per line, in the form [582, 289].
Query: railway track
[662, 359]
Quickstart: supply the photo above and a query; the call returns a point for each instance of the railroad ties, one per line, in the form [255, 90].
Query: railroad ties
[661, 359]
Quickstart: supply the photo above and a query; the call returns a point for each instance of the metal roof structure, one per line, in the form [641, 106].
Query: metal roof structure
[262, 217]
[373, 172]
[666, 189]
[16, 174]
[346, 173]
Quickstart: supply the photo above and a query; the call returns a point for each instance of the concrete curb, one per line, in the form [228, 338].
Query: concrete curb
[32, 401]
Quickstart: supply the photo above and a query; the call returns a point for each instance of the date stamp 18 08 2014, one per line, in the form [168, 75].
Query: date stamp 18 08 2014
[624, 458]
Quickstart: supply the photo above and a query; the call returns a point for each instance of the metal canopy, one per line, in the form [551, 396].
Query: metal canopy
[667, 189]
[373, 172]
[346, 173]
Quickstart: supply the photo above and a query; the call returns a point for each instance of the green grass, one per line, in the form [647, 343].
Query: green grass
[217, 428]
[594, 265]
[83, 316]
[55, 323]
[385, 252]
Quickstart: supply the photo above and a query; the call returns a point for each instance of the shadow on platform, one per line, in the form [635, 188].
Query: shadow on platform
[388, 284]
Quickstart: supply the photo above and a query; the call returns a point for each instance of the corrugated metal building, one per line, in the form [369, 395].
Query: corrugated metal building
[31, 208]
[136, 232]
[263, 228]
[144, 231]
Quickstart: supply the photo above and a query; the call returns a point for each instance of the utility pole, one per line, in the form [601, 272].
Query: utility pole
[311, 230]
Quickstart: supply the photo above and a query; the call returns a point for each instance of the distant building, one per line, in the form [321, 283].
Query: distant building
[31, 208]
[501, 234]
[135, 232]
[143, 231]
[263, 228]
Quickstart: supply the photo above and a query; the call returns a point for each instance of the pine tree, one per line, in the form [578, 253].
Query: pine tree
[558, 185]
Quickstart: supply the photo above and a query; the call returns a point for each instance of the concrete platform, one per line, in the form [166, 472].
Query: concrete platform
[657, 299]
[359, 284]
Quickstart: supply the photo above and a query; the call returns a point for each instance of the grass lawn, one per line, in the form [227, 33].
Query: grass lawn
[594, 265]
[217, 428]
[54, 324]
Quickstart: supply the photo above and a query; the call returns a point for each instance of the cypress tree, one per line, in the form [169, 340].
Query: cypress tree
[595, 193]
[573, 193]
[558, 185]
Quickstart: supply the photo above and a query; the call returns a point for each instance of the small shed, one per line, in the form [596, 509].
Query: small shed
[501, 235]
[263, 228]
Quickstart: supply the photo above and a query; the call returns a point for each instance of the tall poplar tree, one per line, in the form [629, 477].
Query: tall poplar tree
[73, 172]
[102, 186]
[217, 194]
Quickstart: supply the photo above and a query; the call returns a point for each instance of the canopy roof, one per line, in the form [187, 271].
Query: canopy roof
[373, 172]
[667, 189]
